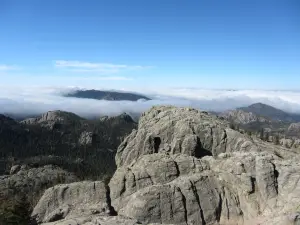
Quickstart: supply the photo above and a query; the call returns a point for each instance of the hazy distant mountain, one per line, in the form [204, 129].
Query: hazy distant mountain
[260, 116]
[106, 95]
[242, 117]
[270, 112]
[18, 116]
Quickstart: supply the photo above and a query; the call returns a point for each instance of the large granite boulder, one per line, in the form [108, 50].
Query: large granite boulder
[69, 200]
[233, 188]
[183, 166]
[181, 130]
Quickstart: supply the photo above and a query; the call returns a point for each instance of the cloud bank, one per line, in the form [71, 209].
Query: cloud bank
[79, 66]
[37, 100]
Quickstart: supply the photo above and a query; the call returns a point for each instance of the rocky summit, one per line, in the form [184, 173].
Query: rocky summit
[184, 167]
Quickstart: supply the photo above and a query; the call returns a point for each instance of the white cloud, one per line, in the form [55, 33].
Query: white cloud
[79, 66]
[34, 100]
[116, 78]
[6, 67]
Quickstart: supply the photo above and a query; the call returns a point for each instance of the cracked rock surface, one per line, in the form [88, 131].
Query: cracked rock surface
[185, 167]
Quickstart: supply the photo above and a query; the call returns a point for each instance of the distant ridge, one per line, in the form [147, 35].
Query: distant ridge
[106, 95]
[270, 112]
[261, 116]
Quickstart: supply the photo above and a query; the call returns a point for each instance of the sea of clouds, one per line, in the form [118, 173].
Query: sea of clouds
[36, 100]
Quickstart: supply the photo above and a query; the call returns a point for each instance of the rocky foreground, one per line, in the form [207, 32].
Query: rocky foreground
[182, 166]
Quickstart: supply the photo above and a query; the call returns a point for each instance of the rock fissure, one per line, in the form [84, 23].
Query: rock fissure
[194, 189]
[184, 205]
[112, 211]
[177, 169]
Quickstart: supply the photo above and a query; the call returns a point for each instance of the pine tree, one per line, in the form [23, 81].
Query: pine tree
[267, 136]
[261, 134]
[276, 139]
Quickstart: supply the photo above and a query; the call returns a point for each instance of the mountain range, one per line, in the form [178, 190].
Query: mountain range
[271, 112]
[66, 135]
[260, 112]
[177, 166]
[168, 143]
[260, 116]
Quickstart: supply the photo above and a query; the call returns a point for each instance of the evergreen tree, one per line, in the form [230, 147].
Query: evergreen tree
[261, 134]
[276, 139]
[267, 136]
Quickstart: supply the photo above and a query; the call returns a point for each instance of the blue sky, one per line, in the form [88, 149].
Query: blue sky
[117, 44]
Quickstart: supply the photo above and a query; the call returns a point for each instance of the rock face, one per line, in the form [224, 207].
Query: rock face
[80, 203]
[234, 188]
[95, 220]
[296, 143]
[165, 173]
[29, 180]
[181, 130]
[286, 142]
[68, 200]
[186, 167]
[292, 143]
[122, 118]
[55, 116]
[242, 117]
[294, 129]
[14, 169]
[52, 119]
[20, 191]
